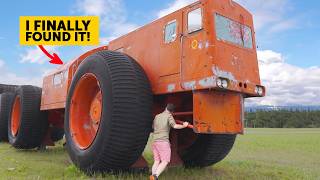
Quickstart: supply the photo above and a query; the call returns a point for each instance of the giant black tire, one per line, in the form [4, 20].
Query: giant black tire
[7, 88]
[208, 149]
[5, 104]
[126, 116]
[33, 122]
[56, 133]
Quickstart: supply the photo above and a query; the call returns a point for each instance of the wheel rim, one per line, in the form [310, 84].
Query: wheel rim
[85, 111]
[15, 118]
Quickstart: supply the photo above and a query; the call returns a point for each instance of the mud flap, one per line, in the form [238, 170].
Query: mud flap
[218, 112]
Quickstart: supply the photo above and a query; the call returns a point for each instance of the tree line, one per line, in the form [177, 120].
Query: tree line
[282, 119]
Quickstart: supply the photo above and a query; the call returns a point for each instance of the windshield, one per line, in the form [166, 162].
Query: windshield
[232, 31]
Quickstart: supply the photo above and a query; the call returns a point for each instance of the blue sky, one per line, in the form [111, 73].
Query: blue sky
[286, 32]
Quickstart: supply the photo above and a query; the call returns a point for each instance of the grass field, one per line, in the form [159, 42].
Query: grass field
[259, 154]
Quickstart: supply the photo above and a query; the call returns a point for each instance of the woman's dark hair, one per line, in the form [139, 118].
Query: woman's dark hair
[170, 107]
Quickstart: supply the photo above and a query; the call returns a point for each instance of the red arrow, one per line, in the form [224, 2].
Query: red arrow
[55, 59]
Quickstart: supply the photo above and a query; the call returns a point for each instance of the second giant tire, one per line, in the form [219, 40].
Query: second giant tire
[57, 134]
[126, 114]
[208, 149]
[30, 124]
[7, 88]
[5, 104]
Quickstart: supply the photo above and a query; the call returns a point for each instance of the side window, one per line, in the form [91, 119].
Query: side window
[170, 32]
[232, 31]
[195, 20]
[57, 79]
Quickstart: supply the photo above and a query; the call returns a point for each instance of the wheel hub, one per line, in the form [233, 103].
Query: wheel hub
[85, 111]
[95, 109]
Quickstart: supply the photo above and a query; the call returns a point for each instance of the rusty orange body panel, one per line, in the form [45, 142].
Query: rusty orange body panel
[192, 62]
[217, 112]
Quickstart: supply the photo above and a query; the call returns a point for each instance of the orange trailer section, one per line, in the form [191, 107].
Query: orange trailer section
[207, 49]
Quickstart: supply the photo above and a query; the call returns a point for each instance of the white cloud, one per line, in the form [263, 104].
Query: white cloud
[270, 15]
[268, 57]
[35, 55]
[112, 13]
[177, 4]
[92, 7]
[287, 84]
[7, 77]
[1, 64]
[283, 25]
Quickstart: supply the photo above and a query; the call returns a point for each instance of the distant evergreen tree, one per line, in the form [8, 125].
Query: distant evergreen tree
[283, 118]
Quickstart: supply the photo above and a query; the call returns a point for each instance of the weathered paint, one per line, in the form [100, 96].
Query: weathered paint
[190, 85]
[171, 87]
[234, 60]
[217, 112]
[207, 44]
[208, 82]
[224, 74]
[242, 113]
[200, 45]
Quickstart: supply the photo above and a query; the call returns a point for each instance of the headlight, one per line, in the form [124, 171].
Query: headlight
[259, 90]
[222, 83]
[219, 82]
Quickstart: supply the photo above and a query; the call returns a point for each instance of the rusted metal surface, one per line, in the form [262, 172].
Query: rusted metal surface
[217, 112]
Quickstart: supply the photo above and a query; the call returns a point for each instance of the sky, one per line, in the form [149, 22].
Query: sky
[287, 35]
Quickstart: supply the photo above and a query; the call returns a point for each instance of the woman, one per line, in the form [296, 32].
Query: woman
[162, 124]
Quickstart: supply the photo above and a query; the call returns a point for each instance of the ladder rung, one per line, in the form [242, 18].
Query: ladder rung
[183, 113]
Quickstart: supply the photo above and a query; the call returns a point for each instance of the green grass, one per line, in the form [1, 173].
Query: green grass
[259, 154]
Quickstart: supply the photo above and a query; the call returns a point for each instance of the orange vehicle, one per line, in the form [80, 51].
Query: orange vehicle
[202, 58]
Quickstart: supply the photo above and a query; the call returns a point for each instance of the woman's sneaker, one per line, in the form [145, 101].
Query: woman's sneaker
[153, 177]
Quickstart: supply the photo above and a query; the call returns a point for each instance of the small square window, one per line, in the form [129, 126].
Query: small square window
[170, 32]
[57, 79]
[195, 20]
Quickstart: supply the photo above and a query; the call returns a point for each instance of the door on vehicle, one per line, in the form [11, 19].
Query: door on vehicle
[170, 46]
[194, 44]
